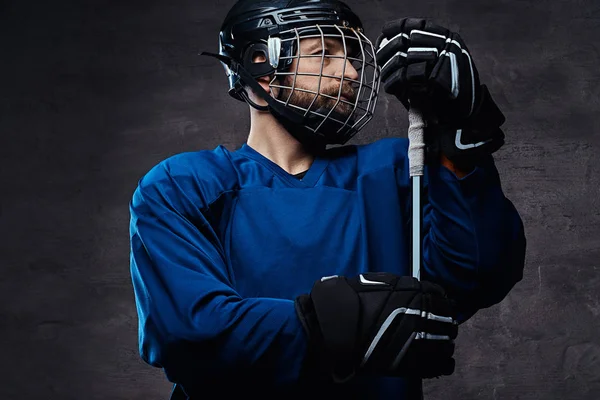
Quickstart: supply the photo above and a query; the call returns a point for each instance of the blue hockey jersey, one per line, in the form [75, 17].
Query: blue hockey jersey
[223, 241]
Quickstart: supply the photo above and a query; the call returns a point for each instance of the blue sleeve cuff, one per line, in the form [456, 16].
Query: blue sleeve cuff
[482, 176]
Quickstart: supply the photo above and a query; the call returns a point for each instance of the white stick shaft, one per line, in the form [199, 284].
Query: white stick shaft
[416, 162]
[416, 227]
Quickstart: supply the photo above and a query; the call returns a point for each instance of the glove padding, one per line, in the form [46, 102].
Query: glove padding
[378, 324]
[428, 66]
[428, 63]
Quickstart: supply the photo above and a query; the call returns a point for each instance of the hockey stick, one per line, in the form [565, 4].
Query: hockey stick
[416, 162]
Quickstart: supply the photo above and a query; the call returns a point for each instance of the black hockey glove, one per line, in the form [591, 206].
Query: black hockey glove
[377, 324]
[432, 67]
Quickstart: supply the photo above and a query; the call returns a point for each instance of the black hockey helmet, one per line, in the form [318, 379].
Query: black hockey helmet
[274, 29]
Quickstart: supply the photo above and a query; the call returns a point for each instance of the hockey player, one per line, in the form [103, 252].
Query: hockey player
[281, 269]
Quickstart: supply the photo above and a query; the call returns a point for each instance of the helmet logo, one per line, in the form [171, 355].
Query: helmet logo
[265, 22]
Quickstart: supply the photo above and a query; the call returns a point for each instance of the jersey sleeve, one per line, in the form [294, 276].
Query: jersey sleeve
[192, 322]
[474, 240]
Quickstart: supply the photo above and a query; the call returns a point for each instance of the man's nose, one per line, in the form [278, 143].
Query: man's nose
[350, 72]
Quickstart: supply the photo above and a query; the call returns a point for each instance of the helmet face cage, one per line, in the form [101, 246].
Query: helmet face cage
[359, 52]
[275, 30]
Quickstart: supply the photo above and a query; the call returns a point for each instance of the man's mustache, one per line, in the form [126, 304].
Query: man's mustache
[347, 91]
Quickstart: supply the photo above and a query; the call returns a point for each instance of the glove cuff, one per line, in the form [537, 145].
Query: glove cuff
[305, 310]
[475, 138]
[321, 363]
[312, 367]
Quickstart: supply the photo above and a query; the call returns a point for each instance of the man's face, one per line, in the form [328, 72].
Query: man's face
[312, 91]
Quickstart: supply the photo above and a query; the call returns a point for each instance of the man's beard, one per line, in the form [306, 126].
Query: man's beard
[304, 99]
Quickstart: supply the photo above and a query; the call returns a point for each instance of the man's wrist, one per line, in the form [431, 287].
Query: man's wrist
[459, 169]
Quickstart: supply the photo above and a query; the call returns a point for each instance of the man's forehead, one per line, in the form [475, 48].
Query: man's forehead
[308, 45]
[315, 41]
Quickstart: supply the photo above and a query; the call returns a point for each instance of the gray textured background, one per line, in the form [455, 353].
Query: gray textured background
[94, 93]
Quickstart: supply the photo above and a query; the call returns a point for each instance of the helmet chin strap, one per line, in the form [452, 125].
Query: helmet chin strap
[244, 95]
[246, 98]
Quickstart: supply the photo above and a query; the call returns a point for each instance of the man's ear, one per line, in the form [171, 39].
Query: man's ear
[260, 57]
